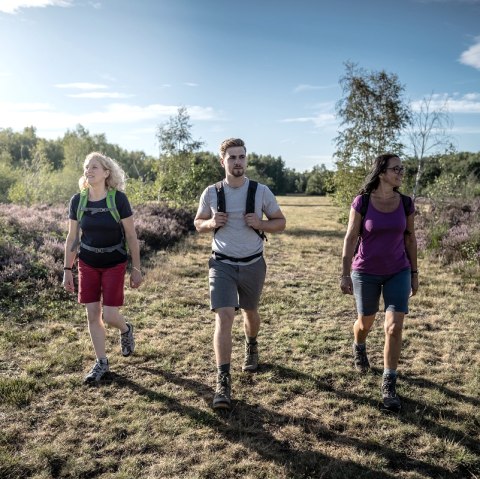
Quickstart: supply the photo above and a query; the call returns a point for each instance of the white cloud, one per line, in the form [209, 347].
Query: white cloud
[456, 103]
[45, 117]
[190, 84]
[14, 6]
[82, 86]
[471, 57]
[99, 95]
[306, 87]
[321, 120]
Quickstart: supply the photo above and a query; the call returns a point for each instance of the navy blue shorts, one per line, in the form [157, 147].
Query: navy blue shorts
[395, 288]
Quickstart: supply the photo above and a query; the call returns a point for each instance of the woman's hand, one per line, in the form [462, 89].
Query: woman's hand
[346, 285]
[68, 283]
[136, 278]
[414, 284]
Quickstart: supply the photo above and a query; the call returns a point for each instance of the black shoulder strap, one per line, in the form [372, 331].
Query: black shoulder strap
[363, 210]
[220, 200]
[220, 197]
[407, 203]
[252, 190]
[250, 206]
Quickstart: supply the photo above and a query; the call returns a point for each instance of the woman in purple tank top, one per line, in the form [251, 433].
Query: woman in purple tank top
[380, 259]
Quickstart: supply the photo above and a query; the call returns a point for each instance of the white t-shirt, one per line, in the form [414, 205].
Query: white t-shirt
[236, 239]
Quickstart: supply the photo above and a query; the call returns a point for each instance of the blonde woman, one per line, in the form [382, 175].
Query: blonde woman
[101, 223]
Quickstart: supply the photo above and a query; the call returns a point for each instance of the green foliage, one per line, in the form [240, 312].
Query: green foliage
[268, 170]
[8, 177]
[320, 181]
[373, 114]
[16, 391]
[140, 192]
[180, 171]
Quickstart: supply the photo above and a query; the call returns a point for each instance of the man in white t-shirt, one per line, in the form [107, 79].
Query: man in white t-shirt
[237, 267]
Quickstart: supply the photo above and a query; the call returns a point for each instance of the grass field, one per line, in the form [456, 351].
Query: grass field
[305, 414]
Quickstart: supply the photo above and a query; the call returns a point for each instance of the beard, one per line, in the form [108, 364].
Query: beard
[237, 172]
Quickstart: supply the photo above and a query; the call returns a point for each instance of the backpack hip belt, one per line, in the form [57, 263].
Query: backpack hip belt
[109, 249]
[221, 257]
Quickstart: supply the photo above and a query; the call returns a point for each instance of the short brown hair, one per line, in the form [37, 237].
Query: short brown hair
[228, 143]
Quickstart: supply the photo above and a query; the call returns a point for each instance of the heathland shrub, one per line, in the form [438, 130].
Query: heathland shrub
[450, 229]
[32, 242]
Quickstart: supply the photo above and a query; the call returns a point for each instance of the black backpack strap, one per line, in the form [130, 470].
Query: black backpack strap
[407, 203]
[252, 190]
[363, 212]
[250, 206]
[407, 206]
[221, 207]
[220, 197]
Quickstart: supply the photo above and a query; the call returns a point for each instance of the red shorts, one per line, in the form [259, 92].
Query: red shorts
[107, 283]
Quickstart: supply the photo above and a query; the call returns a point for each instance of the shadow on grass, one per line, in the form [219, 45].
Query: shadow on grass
[302, 232]
[318, 205]
[425, 383]
[250, 424]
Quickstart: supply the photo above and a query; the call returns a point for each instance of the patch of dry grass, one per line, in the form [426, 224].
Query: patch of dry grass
[306, 413]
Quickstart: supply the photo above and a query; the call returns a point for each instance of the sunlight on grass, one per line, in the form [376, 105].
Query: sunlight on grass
[306, 413]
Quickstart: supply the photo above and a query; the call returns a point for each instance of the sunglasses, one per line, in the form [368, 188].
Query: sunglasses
[399, 170]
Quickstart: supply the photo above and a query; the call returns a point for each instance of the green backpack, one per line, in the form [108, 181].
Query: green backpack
[112, 207]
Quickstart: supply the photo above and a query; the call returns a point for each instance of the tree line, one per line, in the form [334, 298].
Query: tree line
[38, 170]
[374, 118]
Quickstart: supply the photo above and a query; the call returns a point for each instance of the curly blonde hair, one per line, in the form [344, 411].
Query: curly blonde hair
[116, 178]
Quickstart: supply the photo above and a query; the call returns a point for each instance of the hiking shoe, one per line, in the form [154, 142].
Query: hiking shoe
[222, 398]
[96, 373]
[127, 342]
[391, 401]
[250, 364]
[360, 359]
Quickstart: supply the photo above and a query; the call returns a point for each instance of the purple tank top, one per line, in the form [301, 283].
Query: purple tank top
[382, 246]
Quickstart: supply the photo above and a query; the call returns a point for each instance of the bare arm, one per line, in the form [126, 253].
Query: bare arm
[411, 249]
[275, 222]
[134, 248]
[70, 254]
[349, 243]
[205, 224]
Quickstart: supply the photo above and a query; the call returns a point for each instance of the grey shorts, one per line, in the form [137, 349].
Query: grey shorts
[395, 288]
[233, 286]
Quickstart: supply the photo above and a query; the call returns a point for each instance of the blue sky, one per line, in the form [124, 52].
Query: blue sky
[263, 70]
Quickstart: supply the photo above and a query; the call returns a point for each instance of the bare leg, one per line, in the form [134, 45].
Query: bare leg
[251, 322]
[393, 339]
[222, 338]
[96, 328]
[362, 327]
[112, 317]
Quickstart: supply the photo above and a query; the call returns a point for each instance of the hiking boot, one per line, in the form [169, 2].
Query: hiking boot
[96, 373]
[127, 343]
[222, 398]
[250, 364]
[360, 359]
[391, 401]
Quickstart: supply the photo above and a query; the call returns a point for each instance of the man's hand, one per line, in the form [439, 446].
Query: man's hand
[253, 221]
[218, 220]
